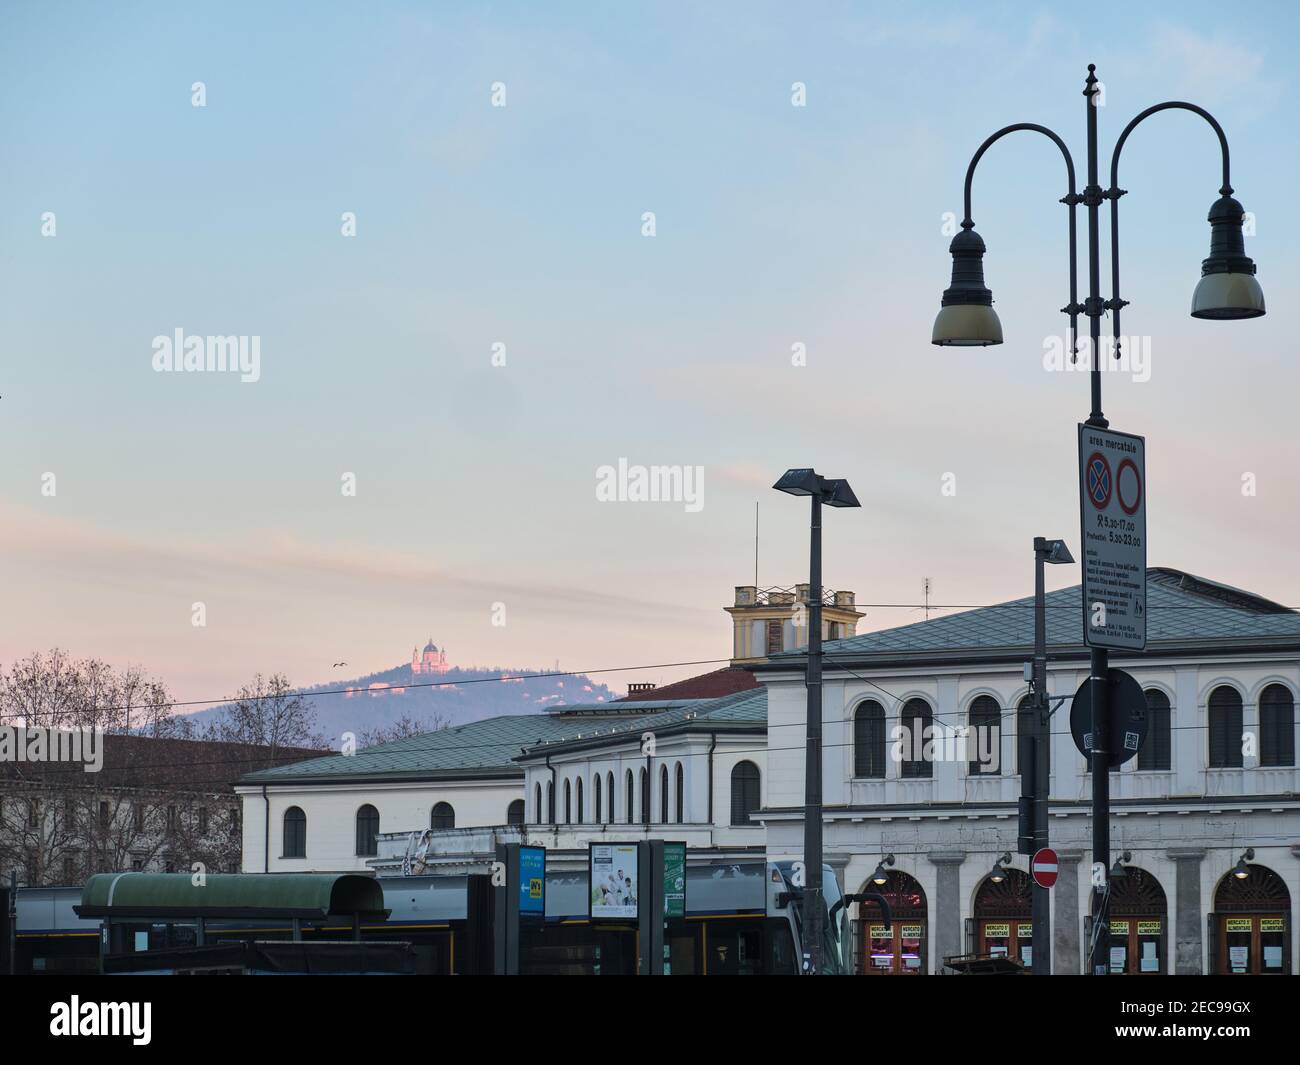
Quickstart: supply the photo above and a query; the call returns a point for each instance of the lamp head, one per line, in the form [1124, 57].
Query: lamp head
[801, 482]
[966, 317]
[1228, 289]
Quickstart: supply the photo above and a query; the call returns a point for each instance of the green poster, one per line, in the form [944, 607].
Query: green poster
[674, 879]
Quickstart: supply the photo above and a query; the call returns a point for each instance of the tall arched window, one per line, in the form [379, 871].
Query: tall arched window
[550, 802]
[609, 788]
[442, 816]
[869, 740]
[984, 741]
[645, 797]
[515, 812]
[915, 720]
[745, 792]
[1225, 727]
[1155, 750]
[681, 794]
[1276, 726]
[295, 833]
[579, 793]
[537, 804]
[663, 795]
[568, 803]
[629, 814]
[367, 831]
[595, 798]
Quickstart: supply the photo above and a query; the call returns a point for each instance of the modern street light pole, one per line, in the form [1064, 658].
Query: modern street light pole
[1227, 290]
[1054, 552]
[834, 493]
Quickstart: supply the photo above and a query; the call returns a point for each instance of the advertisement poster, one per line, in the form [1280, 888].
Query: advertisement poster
[532, 881]
[674, 879]
[615, 886]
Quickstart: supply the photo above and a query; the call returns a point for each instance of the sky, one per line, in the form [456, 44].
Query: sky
[501, 325]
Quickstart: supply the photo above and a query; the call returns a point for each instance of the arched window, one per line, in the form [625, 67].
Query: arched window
[595, 796]
[869, 740]
[915, 720]
[1155, 750]
[645, 797]
[537, 805]
[681, 794]
[745, 792]
[550, 802]
[629, 814]
[442, 816]
[515, 812]
[1225, 727]
[568, 804]
[984, 741]
[579, 792]
[295, 833]
[663, 795]
[609, 788]
[1276, 726]
[367, 831]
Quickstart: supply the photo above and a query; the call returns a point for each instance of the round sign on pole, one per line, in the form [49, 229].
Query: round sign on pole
[1044, 867]
[1127, 709]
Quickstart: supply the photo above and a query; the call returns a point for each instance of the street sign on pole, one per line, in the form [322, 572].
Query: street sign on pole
[1044, 867]
[1113, 527]
[1127, 717]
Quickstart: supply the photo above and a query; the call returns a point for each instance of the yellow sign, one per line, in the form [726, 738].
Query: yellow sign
[1238, 924]
[1272, 924]
[535, 887]
[880, 931]
[1025, 931]
[912, 931]
[997, 930]
[1119, 928]
[1148, 928]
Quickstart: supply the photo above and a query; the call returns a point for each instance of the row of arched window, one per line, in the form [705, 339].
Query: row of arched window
[441, 816]
[1225, 732]
[637, 801]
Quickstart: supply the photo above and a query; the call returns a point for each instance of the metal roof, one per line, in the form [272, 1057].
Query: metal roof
[1182, 608]
[230, 895]
[742, 711]
[481, 748]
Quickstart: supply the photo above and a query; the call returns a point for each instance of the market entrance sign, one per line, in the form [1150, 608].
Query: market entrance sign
[1113, 534]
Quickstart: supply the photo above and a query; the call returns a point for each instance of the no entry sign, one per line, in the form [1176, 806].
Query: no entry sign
[1113, 513]
[1044, 867]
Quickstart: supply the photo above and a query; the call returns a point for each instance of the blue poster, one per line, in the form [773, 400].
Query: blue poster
[532, 881]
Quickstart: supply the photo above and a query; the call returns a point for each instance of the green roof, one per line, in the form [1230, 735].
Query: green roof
[230, 895]
[491, 748]
[479, 748]
[1183, 610]
[744, 711]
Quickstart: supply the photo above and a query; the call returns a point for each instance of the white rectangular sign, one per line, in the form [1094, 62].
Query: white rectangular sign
[613, 880]
[1113, 534]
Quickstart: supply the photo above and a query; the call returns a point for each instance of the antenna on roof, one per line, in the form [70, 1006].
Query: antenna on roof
[927, 603]
[756, 545]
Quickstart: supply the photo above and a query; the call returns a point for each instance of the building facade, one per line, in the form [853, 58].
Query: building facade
[1214, 785]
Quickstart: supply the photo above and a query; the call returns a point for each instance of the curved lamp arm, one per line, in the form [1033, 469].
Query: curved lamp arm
[1072, 200]
[1115, 303]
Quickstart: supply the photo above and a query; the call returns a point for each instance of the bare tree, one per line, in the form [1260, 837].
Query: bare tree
[403, 728]
[268, 713]
[54, 690]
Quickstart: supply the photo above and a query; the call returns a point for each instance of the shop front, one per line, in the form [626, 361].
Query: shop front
[1003, 925]
[899, 948]
[1250, 930]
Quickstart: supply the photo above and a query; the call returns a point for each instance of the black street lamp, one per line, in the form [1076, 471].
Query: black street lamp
[1227, 290]
[834, 493]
